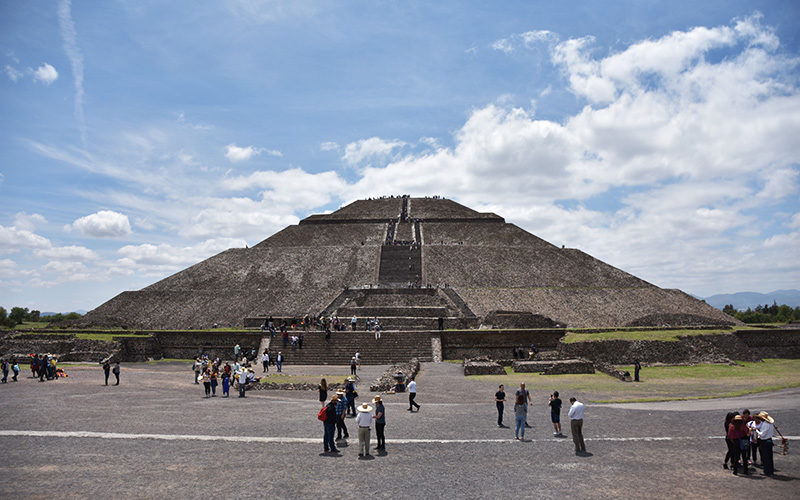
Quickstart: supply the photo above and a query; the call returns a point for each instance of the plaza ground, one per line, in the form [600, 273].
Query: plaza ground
[155, 435]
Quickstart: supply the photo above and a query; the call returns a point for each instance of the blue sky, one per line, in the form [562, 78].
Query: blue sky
[138, 138]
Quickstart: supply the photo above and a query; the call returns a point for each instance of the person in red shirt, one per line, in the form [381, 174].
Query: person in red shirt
[738, 443]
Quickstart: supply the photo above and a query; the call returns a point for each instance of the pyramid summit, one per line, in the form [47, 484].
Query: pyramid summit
[408, 261]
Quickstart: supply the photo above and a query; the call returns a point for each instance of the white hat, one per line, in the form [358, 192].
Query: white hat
[364, 407]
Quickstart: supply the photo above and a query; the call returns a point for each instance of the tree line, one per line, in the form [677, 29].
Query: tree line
[765, 314]
[18, 315]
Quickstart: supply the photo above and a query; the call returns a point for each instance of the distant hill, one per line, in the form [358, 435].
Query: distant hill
[79, 311]
[743, 300]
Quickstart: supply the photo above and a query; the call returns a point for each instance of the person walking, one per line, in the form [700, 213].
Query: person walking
[6, 369]
[205, 377]
[521, 416]
[364, 421]
[116, 371]
[242, 374]
[499, 399]
[766, 431]
[576, 425]
[412, 394]
[329, 426]
[226, 384]
[353, 366]
[350, 393]
[526, 394]
[380, 423]
[15, 369]
[341, 409]
[213, 376]
[265, 361]
[279, 362]
[197, 367]
[636, 368]
[107, 369]
[323, 391]
[555, 413]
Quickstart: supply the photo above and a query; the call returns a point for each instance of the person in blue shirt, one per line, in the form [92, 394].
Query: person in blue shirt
[341, 406]
[380, 422]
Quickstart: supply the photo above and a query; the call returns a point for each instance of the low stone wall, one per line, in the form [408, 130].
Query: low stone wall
[554, 367]
[772, 343]
[496, 344]
[188, 344]
[276, 386]
[476, 367]
[614, 372]
[691, 349]
[64, 347]
[386, 381]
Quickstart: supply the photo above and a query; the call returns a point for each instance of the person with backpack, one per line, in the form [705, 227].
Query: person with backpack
[328, 417]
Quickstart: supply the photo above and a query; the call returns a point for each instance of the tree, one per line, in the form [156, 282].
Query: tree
[34, 315]
[729, 310]
[18, 315]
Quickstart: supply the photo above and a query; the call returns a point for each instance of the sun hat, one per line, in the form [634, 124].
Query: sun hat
[376, 399]
[364, 407]
[765, 416]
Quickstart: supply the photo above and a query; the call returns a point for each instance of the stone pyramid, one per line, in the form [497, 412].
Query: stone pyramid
[409, 262]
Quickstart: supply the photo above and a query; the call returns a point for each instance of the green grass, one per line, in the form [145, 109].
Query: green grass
[299, 379]
[666, 335]
[663, 383]
[28, 325]
[107, 336]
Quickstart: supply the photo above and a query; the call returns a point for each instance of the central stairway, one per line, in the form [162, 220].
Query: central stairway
[391, 347]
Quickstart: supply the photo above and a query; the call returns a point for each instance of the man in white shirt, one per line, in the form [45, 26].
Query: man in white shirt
[765, 429]
[364, 421]
[412, 393]
[242, 382]
[576, 425]
[265, 361]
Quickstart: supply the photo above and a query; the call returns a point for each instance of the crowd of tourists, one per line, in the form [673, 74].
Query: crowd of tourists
[747, 436]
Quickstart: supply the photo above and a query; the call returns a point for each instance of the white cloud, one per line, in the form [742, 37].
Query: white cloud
[70, 39]
[103, 224]
[329, 146]
[28, 222]
[7, 267]
[13, 74]
[13, 239]
[235, 153]
[45, 73]
[165, 257]
[503, 45]
[67, 253]
[367, 149]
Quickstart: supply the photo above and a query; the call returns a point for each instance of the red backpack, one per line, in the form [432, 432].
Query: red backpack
[323, 414]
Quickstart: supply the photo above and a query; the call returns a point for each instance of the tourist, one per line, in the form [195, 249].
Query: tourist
[576, 425]
[364, 421]
[766, 431]
[300, 341]
[521, 416]
[341, 408]
[358, 359]
[265, 361]
[351, 394]
[738, 442]
[353, 366]
[327, 335]
[353, 323]
[226, 382]
[15, 369]
[329, 426]
[636, 368]
[114, 370]
[197, 366]
[242, 374]
[279, 361]
[236, 349]
[34, 365]
[380, 422]
[107, 369]
[526, 395]
[284, 335]
[555, 413]
[6, 369]
[323, 391]
[500, 398]
[728, 445]
[412, 394]
[750, 423]
[213, 379]
[377, 329]
[205, 377]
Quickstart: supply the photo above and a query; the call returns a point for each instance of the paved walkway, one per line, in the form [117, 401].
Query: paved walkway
[155, 436]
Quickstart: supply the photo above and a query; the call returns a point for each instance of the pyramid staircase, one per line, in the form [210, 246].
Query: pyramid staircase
[391, 347]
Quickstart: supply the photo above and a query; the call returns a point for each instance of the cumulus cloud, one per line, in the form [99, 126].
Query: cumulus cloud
[7, 266]
[329, 146]
[28, 222]
[13, 239]
[236, 154]
[165, 257]
[45, 73]
[368, 149]
[103, 224]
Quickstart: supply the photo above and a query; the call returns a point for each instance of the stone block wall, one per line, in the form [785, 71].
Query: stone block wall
[496, 344]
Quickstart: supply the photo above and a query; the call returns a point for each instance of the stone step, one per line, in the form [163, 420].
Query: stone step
[394, 311]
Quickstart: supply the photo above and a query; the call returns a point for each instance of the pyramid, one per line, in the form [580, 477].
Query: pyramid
[409, 262]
